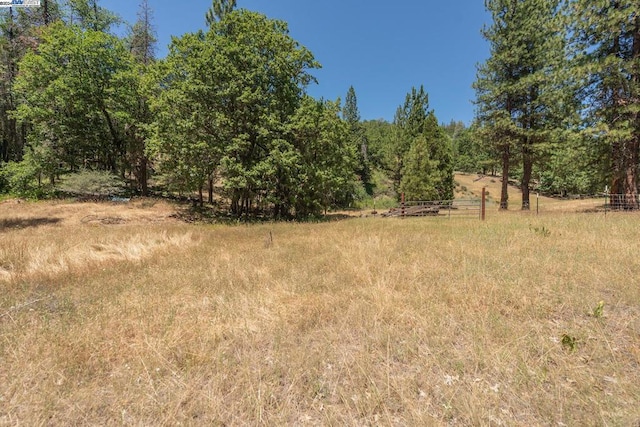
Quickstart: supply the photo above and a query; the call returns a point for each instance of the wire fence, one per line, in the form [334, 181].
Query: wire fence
[477, 207]
[470, 208]
[621, 202]
[603, 202]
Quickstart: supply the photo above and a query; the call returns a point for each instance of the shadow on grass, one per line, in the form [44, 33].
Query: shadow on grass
[210, 215]
[7, 224]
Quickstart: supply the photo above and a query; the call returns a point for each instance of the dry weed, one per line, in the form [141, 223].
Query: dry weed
[362, 322]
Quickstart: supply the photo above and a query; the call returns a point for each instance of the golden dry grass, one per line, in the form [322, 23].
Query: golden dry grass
[372, 321]
[474, 183]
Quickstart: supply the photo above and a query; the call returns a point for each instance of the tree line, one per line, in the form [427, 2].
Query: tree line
[557, 104]
[225, 116]
[558, 99]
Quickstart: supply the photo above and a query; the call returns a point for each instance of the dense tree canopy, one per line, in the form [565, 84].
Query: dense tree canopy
[76, 92]
[227, 110]
[227, 105]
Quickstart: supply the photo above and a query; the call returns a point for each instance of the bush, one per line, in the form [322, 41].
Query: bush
[93, 183]
[23, 179]
[4, 184]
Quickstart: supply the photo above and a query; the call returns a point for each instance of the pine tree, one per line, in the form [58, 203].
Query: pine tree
[358, 139]
[142, 37]
[428, 168]
[19, 33]
[219, 9]
[89, 15]
[424, 162]
[607, 54]
[142, 44]
[409, 123]
[521, 95]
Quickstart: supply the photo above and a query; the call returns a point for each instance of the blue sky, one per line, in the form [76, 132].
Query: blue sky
[382, 48]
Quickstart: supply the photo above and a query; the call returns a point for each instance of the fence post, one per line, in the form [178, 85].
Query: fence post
[483, 203]
[402, 206]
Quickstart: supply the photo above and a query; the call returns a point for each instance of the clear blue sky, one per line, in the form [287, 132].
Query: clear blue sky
[382, 48]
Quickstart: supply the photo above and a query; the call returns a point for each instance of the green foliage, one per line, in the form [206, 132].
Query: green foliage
[428, 172]
[229, 103]
[574, 167]
[92, 183]
[350, 111]
[606, 54]
[598, 311]
[380, 137]
[77, 90]
[327, 159]
[421, 153]
[358, 139]
[219, 9]
[470, 154]
[569, 342]
[417, 180]
[523, 95]
[24, 178]
[142, 37]
[90, 16]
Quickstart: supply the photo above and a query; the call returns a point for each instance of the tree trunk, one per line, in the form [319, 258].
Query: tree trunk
[504, 195]
[117, 144]
[624, 186]
[45, 12]
[211, 190]
[144, 176]
[527, 166]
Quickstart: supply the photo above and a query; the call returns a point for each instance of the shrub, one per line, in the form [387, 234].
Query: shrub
[92, 183]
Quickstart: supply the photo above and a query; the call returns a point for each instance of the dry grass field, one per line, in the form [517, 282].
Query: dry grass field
[122, 315]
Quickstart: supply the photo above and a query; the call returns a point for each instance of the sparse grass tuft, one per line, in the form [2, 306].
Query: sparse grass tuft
[598, 311]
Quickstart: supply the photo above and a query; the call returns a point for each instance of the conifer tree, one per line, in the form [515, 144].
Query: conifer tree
[89, 15]
[607, 54]
[218, 10]
[409, 123]
[424, 168]
[142, 37]
[521, 97]
[358, 139]
[142, 45]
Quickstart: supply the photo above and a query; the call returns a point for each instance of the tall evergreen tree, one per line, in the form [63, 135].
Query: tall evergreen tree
[358, 139]
[521, 97]
[424, 163]
[428, 168]
[218, 10]
[19, 33]
[12, 139]
[142, 45]
[409, 123]
[89, 15]
[142, 36]
[607, 53]
[350, 111]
